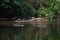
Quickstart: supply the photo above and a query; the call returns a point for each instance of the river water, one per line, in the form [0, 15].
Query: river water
[29, 31]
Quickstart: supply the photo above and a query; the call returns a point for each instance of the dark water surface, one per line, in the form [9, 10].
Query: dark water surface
[28, 32]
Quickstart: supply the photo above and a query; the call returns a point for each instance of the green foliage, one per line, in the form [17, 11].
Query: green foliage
[50, 11]
[27, 9]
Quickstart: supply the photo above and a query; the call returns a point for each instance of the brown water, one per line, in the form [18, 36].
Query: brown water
[30, 31]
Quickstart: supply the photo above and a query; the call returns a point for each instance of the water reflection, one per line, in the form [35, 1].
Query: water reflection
[30, 31]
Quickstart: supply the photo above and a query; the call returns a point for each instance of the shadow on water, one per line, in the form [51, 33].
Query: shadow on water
[29, 31]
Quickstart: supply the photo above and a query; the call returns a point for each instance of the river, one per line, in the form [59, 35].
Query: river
[29, 31]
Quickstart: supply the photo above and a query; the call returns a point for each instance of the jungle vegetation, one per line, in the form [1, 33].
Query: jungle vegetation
[25, 9]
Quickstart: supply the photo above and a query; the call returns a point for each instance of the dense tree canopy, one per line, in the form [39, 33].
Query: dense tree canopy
[28, 8]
